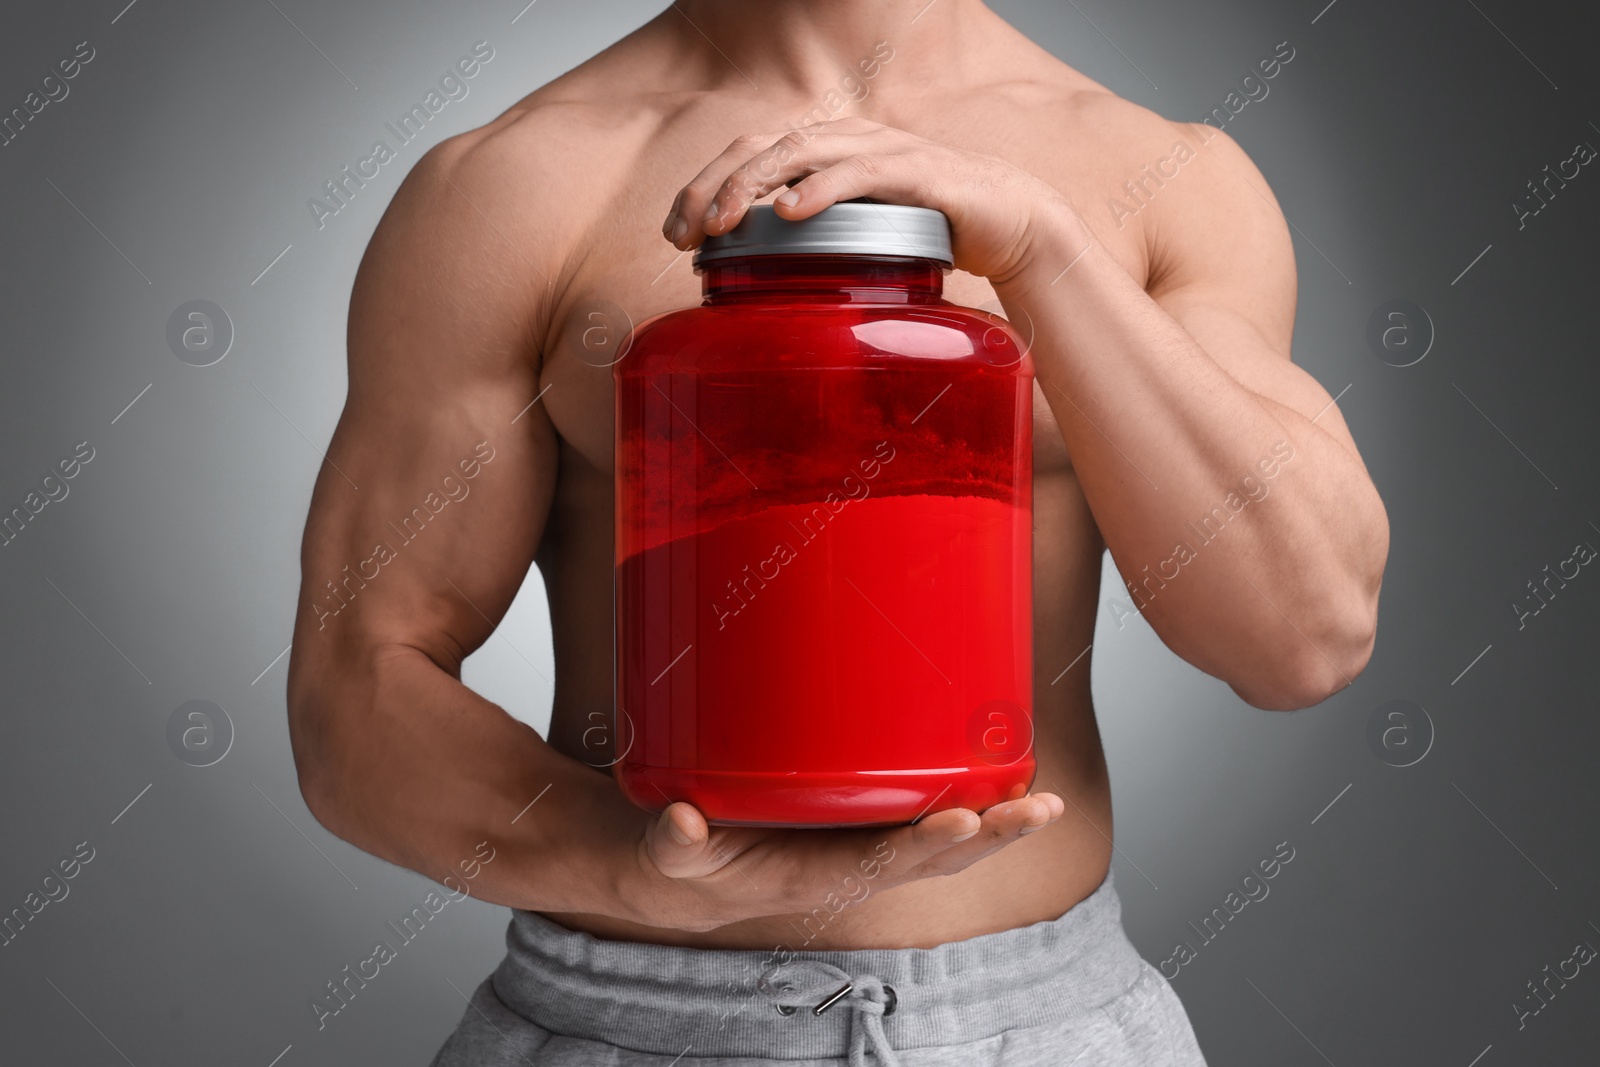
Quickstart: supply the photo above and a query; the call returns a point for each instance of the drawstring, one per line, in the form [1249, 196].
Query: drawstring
[819, 987]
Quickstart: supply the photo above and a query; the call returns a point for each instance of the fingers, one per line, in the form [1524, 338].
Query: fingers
[756, 872]
[907, 847]
[940, 844]
[795, 869]
[838, 160]
[1001, 825]
[846, 179]
[792, 155]
[679, 843]
[685, 222]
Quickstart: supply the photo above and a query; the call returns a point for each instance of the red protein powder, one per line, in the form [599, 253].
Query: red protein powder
[872, 636]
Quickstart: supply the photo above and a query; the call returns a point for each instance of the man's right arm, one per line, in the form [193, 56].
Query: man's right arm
[424, 521]
[422, 525]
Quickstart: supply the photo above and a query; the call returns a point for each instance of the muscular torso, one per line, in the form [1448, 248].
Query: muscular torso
[616, 268]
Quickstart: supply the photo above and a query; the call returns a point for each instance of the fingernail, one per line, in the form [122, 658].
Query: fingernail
[789, 199]
[964, 837]
[674, 830]
[1031, 828]
[711, 211]
[680, 226]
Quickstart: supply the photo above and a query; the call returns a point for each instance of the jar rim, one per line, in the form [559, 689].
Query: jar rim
[852, 228]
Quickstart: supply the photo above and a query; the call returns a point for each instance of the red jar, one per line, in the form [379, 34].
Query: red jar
[824, 533]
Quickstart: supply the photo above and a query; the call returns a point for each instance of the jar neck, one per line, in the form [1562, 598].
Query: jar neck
[825, 279]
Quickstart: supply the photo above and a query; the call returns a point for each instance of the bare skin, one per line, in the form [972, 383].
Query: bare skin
[1161, 343]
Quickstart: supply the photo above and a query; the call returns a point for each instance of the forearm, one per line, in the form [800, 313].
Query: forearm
[400, 758]
[1283, 607]
[1276, 592]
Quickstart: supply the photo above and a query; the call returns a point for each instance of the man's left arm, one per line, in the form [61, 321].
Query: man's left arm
[1222, 476]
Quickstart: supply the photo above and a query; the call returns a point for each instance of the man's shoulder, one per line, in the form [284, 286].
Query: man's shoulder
[545, 145]
[500, 212]
[1148, 169]
[525, 186]
[1128, 133]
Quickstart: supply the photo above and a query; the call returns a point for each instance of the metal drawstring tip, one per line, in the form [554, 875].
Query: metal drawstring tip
[843, 992]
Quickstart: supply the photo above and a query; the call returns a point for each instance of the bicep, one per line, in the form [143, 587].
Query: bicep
[429, 509]
[1224, 269]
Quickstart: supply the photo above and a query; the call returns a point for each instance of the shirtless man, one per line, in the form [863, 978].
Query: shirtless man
[1161, 342]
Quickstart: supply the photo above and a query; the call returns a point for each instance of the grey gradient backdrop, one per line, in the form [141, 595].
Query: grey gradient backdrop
[1418, 905]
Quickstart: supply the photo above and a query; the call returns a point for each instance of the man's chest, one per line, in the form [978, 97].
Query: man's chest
[626, 273]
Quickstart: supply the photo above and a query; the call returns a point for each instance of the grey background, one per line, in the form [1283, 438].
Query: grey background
[1418, 904]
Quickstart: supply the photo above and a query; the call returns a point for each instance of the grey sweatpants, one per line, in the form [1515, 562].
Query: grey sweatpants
[1071, 992]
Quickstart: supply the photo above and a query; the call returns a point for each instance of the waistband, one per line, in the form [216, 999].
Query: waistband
[667, 1000]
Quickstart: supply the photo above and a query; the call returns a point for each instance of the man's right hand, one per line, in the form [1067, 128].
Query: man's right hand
[693, 876]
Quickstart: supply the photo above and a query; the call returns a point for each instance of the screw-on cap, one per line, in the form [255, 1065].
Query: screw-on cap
[853, 228]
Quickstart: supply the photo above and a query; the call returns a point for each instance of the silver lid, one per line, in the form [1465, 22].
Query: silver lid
[853, 228]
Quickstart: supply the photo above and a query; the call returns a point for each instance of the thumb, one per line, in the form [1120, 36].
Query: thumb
[679, 843]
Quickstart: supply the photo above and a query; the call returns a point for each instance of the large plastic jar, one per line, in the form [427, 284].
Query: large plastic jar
[824, 533]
